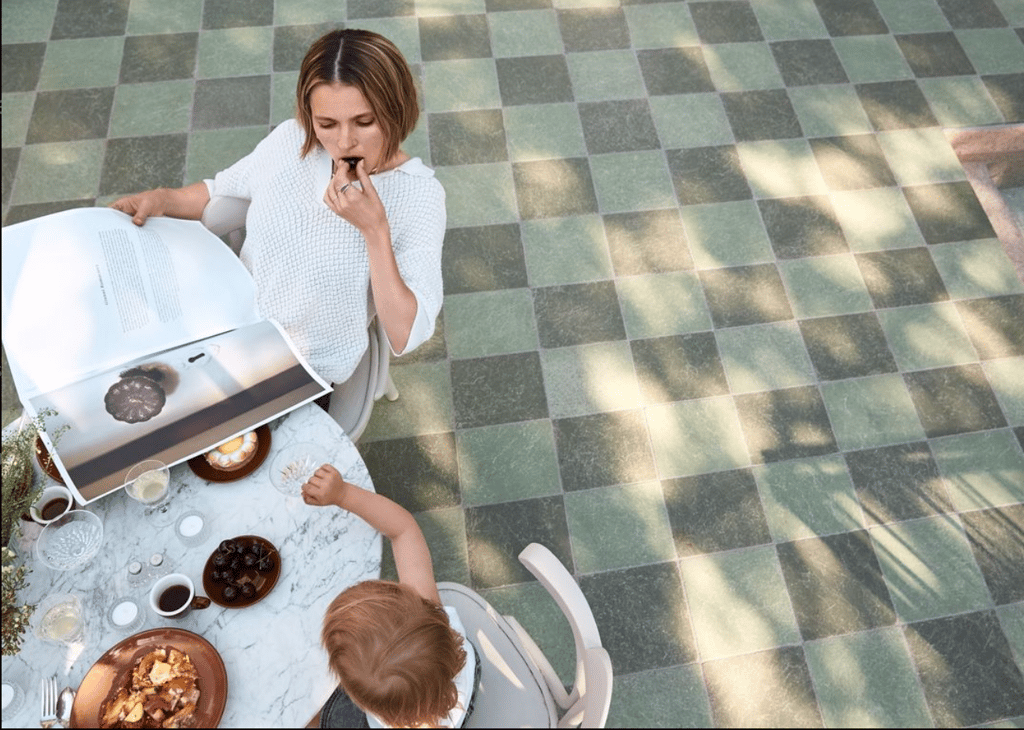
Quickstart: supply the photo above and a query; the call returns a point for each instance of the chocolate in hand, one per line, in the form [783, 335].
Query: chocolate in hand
[351, 162]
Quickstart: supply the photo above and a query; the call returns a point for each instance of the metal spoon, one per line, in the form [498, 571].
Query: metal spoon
[64, 704]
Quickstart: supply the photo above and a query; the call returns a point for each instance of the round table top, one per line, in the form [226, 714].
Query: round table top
[277, 671]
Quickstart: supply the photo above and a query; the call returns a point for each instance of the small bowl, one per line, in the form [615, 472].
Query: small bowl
[70, 541]
[51, 495]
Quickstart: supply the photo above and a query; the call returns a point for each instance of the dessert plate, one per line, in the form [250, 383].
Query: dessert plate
[202, 467]
[263, 581]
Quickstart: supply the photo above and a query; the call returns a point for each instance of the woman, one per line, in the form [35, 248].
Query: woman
[341, 220]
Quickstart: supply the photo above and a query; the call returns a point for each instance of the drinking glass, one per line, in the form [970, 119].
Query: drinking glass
[58, 618]
[149, 482]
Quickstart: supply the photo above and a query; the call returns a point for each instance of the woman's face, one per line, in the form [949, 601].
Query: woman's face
[346, 126]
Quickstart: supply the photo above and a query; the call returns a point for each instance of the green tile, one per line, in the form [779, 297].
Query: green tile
[783, 168]
[424, 404]
[657, 305]
[595, 378]
[163, 107]
[993, 50]
[81, 63]
[669, 698]
[543, 131]
[1011, 618]
[872, 411]
[867, 679]
[920, 156]
[984, 469]
[628, 181]
[235, 52]
[566, 250]
[430, 8]
[742, 66]
[786, 20]
[927, 336]
[445, 533]
[282, 96]
[16, 116]
[912, 16]
[929, 568]
[602, 75]
[618, 527]
[507, 462]
[870, 58]
[160, 16]
[764, 357]
[978, 268]
[417, 144]
[490, 323]
[960, 101]
[825, 285]
[829, 111]
[726, 234]
[462, 84]
[305, 12]
[738, 602]
[58, 171]
[478, 195]
[404, 32]
[536, 611]
[30, 22]
[1012, 10]
[706, 124]
[696, 436]
[660, 26]
[1006, 377]
[524, 32]
[808, 497]
[876, 220]
[211, 151]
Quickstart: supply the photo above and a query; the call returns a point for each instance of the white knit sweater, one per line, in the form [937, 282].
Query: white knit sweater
[310, 265]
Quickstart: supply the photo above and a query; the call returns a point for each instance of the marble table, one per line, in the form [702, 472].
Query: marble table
[277, 670]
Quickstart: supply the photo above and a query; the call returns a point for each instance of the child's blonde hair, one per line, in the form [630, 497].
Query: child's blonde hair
[394, 652]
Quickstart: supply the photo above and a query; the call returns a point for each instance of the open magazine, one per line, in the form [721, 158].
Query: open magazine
[145, 342]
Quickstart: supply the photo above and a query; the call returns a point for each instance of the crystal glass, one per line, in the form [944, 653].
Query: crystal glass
[70, 541]
[149, 483]
[294, 465]
[58, 618]
[13, 698]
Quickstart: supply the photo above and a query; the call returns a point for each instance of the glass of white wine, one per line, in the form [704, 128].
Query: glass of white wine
[149, 482]
[59, 619]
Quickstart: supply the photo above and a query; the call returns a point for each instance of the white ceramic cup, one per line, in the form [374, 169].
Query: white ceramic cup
[180, 608]
[48, 496]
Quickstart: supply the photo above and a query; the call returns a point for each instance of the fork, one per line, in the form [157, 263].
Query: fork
[48, 714]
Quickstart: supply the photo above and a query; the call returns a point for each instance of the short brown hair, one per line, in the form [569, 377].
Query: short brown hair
[374, 65]
[394, 652]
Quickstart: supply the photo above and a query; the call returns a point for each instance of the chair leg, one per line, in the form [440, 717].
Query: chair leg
[391, 391]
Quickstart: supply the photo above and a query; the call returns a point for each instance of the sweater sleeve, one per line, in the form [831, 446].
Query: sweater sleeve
[240, 179]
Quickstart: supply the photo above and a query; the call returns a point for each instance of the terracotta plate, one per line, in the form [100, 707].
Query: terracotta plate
[46, 463]
[202, 467]
[264, 582]
[111, 670]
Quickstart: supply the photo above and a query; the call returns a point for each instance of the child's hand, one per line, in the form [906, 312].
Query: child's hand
[325, 487]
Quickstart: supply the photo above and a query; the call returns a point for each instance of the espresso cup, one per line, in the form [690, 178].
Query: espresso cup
[174, 595]
[52, 503]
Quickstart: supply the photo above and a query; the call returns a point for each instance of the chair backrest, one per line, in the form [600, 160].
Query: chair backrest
[352, 401]
[518, 685]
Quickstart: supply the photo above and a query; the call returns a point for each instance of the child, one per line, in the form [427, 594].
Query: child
[398, 653]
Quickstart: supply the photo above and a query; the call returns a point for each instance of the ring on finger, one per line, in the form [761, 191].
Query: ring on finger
[344, 187]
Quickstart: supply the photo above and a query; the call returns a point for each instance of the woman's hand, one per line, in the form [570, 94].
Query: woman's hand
[325, 487]
[354, 198]
[143, 205]
[187, 202]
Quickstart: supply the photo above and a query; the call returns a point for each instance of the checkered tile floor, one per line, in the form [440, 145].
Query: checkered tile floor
[725, 327]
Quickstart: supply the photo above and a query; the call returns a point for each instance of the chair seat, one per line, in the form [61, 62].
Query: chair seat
[512, 692]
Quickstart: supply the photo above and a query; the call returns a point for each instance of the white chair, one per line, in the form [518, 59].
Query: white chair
[352, 401]
[518, 686]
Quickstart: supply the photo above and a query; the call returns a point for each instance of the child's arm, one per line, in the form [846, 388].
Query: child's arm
[412, 556]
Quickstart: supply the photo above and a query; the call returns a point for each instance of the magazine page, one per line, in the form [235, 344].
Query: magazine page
[172, 405]
[87, 290]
